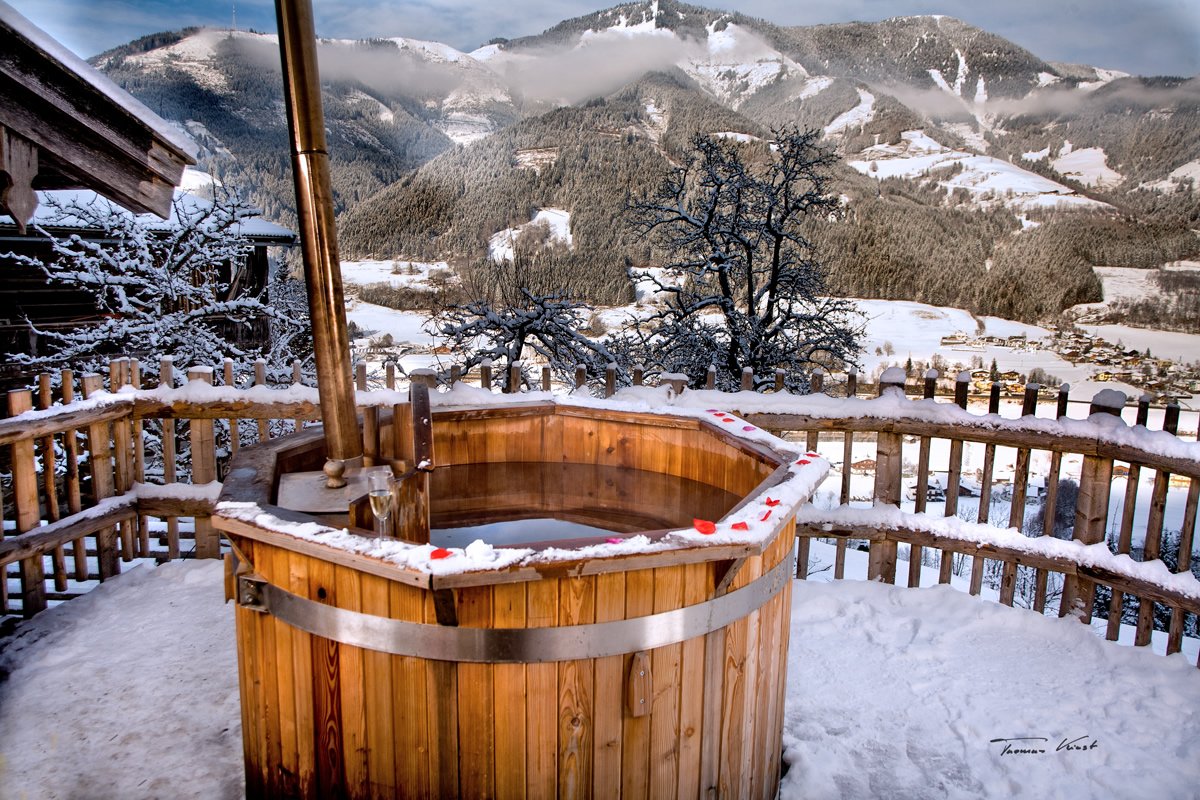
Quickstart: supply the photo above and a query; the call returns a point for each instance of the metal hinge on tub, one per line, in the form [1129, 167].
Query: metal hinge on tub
[250, 593]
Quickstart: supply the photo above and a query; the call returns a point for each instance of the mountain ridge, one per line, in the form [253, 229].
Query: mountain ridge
[929, 113]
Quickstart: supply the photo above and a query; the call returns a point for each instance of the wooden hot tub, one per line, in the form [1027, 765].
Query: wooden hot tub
[646, 668]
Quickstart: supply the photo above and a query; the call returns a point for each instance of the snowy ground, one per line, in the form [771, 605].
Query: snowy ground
[907, 328]
[986, 179]
[130, 692]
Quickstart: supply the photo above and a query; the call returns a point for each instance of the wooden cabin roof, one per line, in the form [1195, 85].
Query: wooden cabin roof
[53, 216]
[64, 125]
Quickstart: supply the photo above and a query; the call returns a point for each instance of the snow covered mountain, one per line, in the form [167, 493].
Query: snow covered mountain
[436, 151]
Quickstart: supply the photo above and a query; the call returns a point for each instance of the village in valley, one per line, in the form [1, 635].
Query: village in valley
[1162, 378]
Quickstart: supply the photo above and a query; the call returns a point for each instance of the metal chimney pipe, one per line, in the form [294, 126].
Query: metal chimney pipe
[318, 234]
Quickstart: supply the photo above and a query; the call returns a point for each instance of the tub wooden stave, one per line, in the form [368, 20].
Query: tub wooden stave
[324, 719]
[328, 719]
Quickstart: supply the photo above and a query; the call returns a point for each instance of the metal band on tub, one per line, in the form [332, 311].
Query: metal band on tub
[511, 645]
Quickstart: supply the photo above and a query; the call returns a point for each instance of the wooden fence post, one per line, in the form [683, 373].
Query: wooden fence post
[1020, 489]
[747, 379]
[546, 383]
[50, 484]
[71, 480]
[100, 461]
[370, 433]
[985, 491]
[639, 374]
[839, 546]
[1125, 535]
[514, 378]
[915, 551]
[710, 378]
[780, 379]
[580, 376]
[260, 379]
[1091, 512]
[962, 384]
[28, 514]
[485, 374]
[122, 444]
[234, 433]
[881, 563]
[139, 460]
[610, 379]
[166, 379]
[204, 469]
[1152, 548]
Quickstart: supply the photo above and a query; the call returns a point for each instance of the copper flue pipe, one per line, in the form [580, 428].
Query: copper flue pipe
[318, 230]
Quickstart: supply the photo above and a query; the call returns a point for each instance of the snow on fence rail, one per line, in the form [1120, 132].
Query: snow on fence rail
[111, 473]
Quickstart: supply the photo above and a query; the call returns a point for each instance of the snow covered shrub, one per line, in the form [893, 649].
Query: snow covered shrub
[165, 289]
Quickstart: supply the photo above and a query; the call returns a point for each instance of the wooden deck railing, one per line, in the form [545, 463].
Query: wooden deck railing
[127, 472]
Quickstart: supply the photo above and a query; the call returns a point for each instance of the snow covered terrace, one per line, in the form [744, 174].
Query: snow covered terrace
[131, 689]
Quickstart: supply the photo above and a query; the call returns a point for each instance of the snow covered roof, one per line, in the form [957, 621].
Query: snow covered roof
[78, 128]
[48, 215]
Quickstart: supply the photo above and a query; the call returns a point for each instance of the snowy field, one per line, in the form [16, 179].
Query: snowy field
[906, 329]
[130, 692]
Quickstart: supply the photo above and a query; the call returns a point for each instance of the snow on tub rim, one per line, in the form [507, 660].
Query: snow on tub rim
[468, 670]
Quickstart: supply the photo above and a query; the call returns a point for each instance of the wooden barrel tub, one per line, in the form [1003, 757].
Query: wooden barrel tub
[654, 671]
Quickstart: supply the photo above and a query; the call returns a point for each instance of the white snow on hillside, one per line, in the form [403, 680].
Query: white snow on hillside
[485, 53]
[382, 112]
[812, 87]
[194, 55]
[987, 179]
[1129, 283]
[396, 273]
[1189, 171]
[430, 51]
[1089, 166]
[501, 243]
[628, 26]
[737, 137]
[861, 114]
[1103, 77]
[960, 77]
[463, 127]
[737, 63]
[887, 687]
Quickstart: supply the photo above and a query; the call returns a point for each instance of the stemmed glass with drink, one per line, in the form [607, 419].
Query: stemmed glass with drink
[379, 492]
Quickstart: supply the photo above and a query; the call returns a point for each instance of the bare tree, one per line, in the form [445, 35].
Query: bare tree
[743, 284]
[520, 309]
[164, 288]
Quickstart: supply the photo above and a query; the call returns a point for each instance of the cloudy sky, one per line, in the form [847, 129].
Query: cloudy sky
[1147, 37]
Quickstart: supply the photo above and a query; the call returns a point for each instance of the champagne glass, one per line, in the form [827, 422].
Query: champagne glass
[379, 492]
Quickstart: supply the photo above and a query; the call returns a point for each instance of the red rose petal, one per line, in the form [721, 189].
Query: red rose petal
[748, 428]
[741, 526]
[718, 413]
[440, 552]
[803, 461]
[772, 503]
[614, 540]
[727, 419]
[704, 526]
[813, 455]
[711, 411]
[765, 516]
